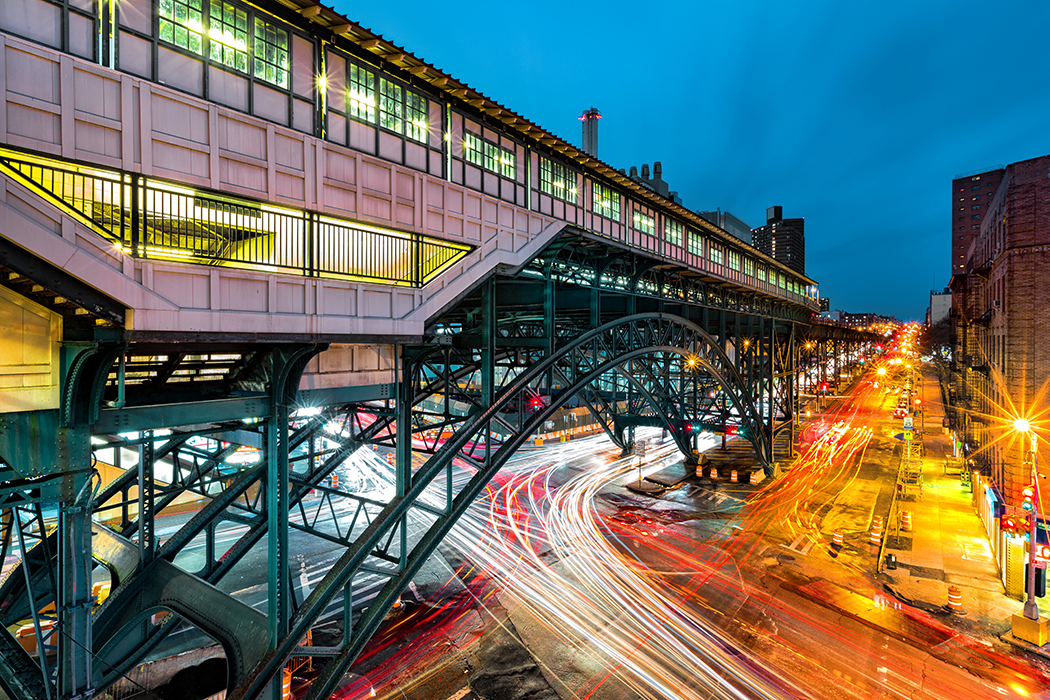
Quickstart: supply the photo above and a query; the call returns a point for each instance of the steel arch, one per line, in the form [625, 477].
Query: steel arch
[576, 364]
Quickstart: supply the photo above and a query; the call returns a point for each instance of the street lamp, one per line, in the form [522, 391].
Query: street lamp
[1031, 609]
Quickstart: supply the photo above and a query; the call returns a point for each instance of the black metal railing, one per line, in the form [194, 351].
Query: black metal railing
[149, 218]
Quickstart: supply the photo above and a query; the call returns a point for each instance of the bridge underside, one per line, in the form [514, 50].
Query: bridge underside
[221, 432]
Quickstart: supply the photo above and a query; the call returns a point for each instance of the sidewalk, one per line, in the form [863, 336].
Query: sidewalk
[948, 545]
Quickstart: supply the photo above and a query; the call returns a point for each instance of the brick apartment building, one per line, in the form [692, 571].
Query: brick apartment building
[1001, 320]
[971, 195]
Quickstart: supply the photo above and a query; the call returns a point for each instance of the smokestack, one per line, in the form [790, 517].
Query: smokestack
[590, 131]
[634, 171]
[645, 171]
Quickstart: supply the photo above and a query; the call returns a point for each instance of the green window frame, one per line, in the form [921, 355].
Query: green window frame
[417, 126]
[749, 267]
[734, 260]
[499, 160]
[271, 59]
[473, 149]
[361, 94]
[760, 273]
[715, 254]
[557, 180]
[182, 24]
[228, 35]
[391, 106]
[605, 202]
[644, 223]
[696, 243]
[673, 232]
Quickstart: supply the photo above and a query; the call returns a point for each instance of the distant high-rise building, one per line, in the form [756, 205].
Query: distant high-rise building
[782, 239]
[825, 304]
[971, 194]
[727, 222]
[940, 305]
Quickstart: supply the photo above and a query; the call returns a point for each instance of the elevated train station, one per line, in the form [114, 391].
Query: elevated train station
[226, 228]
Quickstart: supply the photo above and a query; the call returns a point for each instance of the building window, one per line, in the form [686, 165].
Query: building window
[975, 217]
[488, 155]
[974, 199]
[734, 260]
[644, 223]
[976, 187]
[749, 267]
[760, 273]
[391, 104]
[228, 35]
[715, 254]
[972, 227]
[416, 125]
[696, 243]
[361, 94]
[605, 202]
[673, 232]
[181, 24]
[271, 53]
[557, 180]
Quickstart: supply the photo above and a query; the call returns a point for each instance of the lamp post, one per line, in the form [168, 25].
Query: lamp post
[1031, 609]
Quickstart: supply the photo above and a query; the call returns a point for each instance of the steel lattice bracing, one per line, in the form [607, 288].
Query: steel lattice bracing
[635, 340]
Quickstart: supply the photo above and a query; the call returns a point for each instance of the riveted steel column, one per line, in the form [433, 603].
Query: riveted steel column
[74, 556]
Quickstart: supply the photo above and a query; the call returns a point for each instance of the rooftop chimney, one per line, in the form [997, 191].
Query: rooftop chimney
[590, 131]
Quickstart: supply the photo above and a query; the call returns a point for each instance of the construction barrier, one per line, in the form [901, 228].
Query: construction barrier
[714, 473]
[389, 457]
[755, 476]
[732, 476]
[954, 599]
[906, 524]
[286, 684]
[876, 531]
[334, 480]
[836, 540]
[538, 442]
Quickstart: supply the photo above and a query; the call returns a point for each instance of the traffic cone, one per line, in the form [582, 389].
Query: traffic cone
[906, 524]
[732, 476]
[836, 540]
[955, 599]
[713, 473]
[876, 531]
[389, 457]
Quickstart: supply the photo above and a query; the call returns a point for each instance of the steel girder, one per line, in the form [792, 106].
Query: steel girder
[558, 377]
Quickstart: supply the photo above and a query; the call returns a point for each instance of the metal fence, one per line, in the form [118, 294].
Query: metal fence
[148, 218]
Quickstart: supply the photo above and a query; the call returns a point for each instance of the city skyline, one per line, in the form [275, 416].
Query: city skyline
[859, 131]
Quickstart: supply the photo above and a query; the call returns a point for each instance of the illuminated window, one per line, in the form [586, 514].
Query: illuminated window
[416, 125]
[391, 106]
[734, 260]
[749, 267]
[760, 273]
[644, 223]
[361, 94]
[715, 254]
[228, 35]
[181, 24]
[696, 243]
[557, 180]
[271, 53]
[499, 160]
[473, 149]
[605, 202]
[673, 232]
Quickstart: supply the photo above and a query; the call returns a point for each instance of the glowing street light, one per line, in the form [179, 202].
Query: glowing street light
[881, 371]
[1031, 609]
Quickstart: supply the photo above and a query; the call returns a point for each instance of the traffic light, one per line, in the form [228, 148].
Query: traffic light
[1028, 492]
[1008, 524]
[824, 388]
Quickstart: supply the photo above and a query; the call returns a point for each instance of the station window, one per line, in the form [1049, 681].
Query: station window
[391, 105]
[644, 223]
[416, 125]
[606, 202]
[715, 255]
[696, 243]
[271, 53]
[489, 156]
[760, 273]
[181, 24]
[557, 180]
[749, 267]
[734, 260]
[673, 231]
[228, 35]
[361, 94]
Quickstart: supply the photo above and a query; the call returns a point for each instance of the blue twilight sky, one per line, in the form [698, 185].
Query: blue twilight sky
[855, 116]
